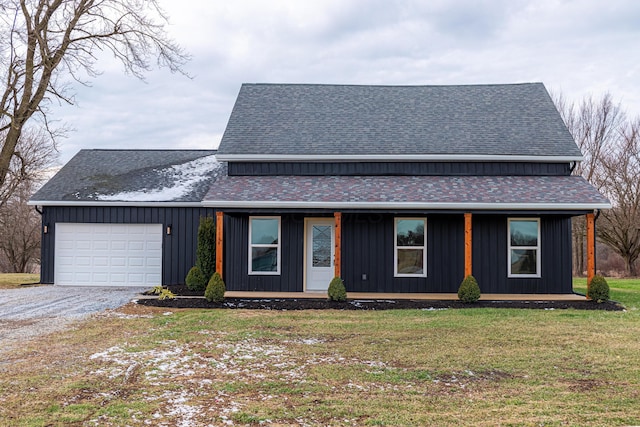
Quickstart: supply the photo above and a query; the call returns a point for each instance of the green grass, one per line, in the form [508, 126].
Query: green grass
[478, 367]
[14, 280]
[625, 291]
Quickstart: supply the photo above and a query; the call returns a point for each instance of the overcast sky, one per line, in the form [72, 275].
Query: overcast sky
[579, 48]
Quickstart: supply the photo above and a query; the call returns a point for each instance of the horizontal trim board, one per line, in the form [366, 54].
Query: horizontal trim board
[374, 206]
[92, 203]
[396, 157]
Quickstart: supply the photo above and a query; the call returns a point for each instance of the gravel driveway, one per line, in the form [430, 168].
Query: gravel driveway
[28, 312]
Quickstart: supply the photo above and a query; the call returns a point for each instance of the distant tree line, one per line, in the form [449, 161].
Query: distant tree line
[610, 143]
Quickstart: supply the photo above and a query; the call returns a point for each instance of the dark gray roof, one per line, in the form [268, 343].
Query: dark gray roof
[133, 176]
[316, 120]
[398, 192]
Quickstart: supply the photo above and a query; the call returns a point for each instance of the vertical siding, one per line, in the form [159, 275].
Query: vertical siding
[397, 168]
[368, 245]
[490, 256]
[236, 258]
[178, 249]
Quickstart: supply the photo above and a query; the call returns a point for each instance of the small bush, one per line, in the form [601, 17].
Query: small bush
[215, 289]
[337, 291]
[206, 248]
[599, 289]
[196, 280]
[166, 294]
[469, 290]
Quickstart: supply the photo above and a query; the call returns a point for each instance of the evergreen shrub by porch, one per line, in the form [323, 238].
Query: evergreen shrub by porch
[195, 280]
[337, 291]
[206, 249]
[469, 290]
[599, 289]
[215, 289]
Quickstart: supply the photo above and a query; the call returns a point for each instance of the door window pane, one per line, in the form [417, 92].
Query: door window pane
[321, 246]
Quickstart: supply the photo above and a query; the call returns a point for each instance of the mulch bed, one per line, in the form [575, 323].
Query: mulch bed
[372, 304]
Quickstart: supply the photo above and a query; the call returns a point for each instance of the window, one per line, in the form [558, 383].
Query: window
[264, 245]
[410, 247]
[524, 247]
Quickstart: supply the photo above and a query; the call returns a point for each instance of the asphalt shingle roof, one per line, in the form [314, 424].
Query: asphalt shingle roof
[133, 175]
[565, 192]
[311, 120]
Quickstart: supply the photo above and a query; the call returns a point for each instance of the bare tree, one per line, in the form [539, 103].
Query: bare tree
[619, 180]
[45, 44]
[594, 125]
[32, 155]
[20, 223]
[19, 233]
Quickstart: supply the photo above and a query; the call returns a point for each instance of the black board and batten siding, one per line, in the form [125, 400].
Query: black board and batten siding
[236, 256]
[398, 168]
[178, 248]
[367, 255]
[490, 256]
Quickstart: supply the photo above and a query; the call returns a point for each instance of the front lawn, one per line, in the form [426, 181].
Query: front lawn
[480, 367]
[15, 280]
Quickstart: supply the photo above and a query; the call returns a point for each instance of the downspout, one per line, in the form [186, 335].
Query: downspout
[595, 233]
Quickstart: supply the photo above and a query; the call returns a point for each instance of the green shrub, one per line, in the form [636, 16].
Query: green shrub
[206, 249]
[469, 290]
[215, 289]
[337, 291]
[196, 281]
[598, 289]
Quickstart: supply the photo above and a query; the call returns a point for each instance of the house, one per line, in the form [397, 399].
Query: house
[393, 188]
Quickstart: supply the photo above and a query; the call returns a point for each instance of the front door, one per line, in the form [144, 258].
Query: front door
[320, 238]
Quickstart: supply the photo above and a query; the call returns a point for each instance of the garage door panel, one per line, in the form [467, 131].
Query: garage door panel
[108, 254]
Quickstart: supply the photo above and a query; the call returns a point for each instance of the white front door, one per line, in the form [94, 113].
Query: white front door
[320, 238]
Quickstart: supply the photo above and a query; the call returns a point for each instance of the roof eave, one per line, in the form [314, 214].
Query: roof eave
[395, 157]
[405, 205]
[92, 203]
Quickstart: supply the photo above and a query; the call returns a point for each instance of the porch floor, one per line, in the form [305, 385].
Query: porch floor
[410, 296]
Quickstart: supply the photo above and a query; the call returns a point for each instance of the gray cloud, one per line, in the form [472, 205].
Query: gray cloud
[577, 47]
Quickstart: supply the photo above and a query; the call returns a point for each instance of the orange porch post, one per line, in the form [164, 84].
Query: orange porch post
[338, 243]
[468, 246]
[219, 240]
[591, 249]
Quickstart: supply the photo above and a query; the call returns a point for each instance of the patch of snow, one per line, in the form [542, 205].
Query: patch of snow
[184, 178]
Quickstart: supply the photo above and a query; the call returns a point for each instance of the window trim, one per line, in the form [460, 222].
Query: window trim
[396, 247]
[537, 248]
[278, 247]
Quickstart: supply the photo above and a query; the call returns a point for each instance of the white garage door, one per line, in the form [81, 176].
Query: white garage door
[108, 254]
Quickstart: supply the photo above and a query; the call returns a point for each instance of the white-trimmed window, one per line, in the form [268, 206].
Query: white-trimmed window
[524, 247]
[264, 245]
[410, 247]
